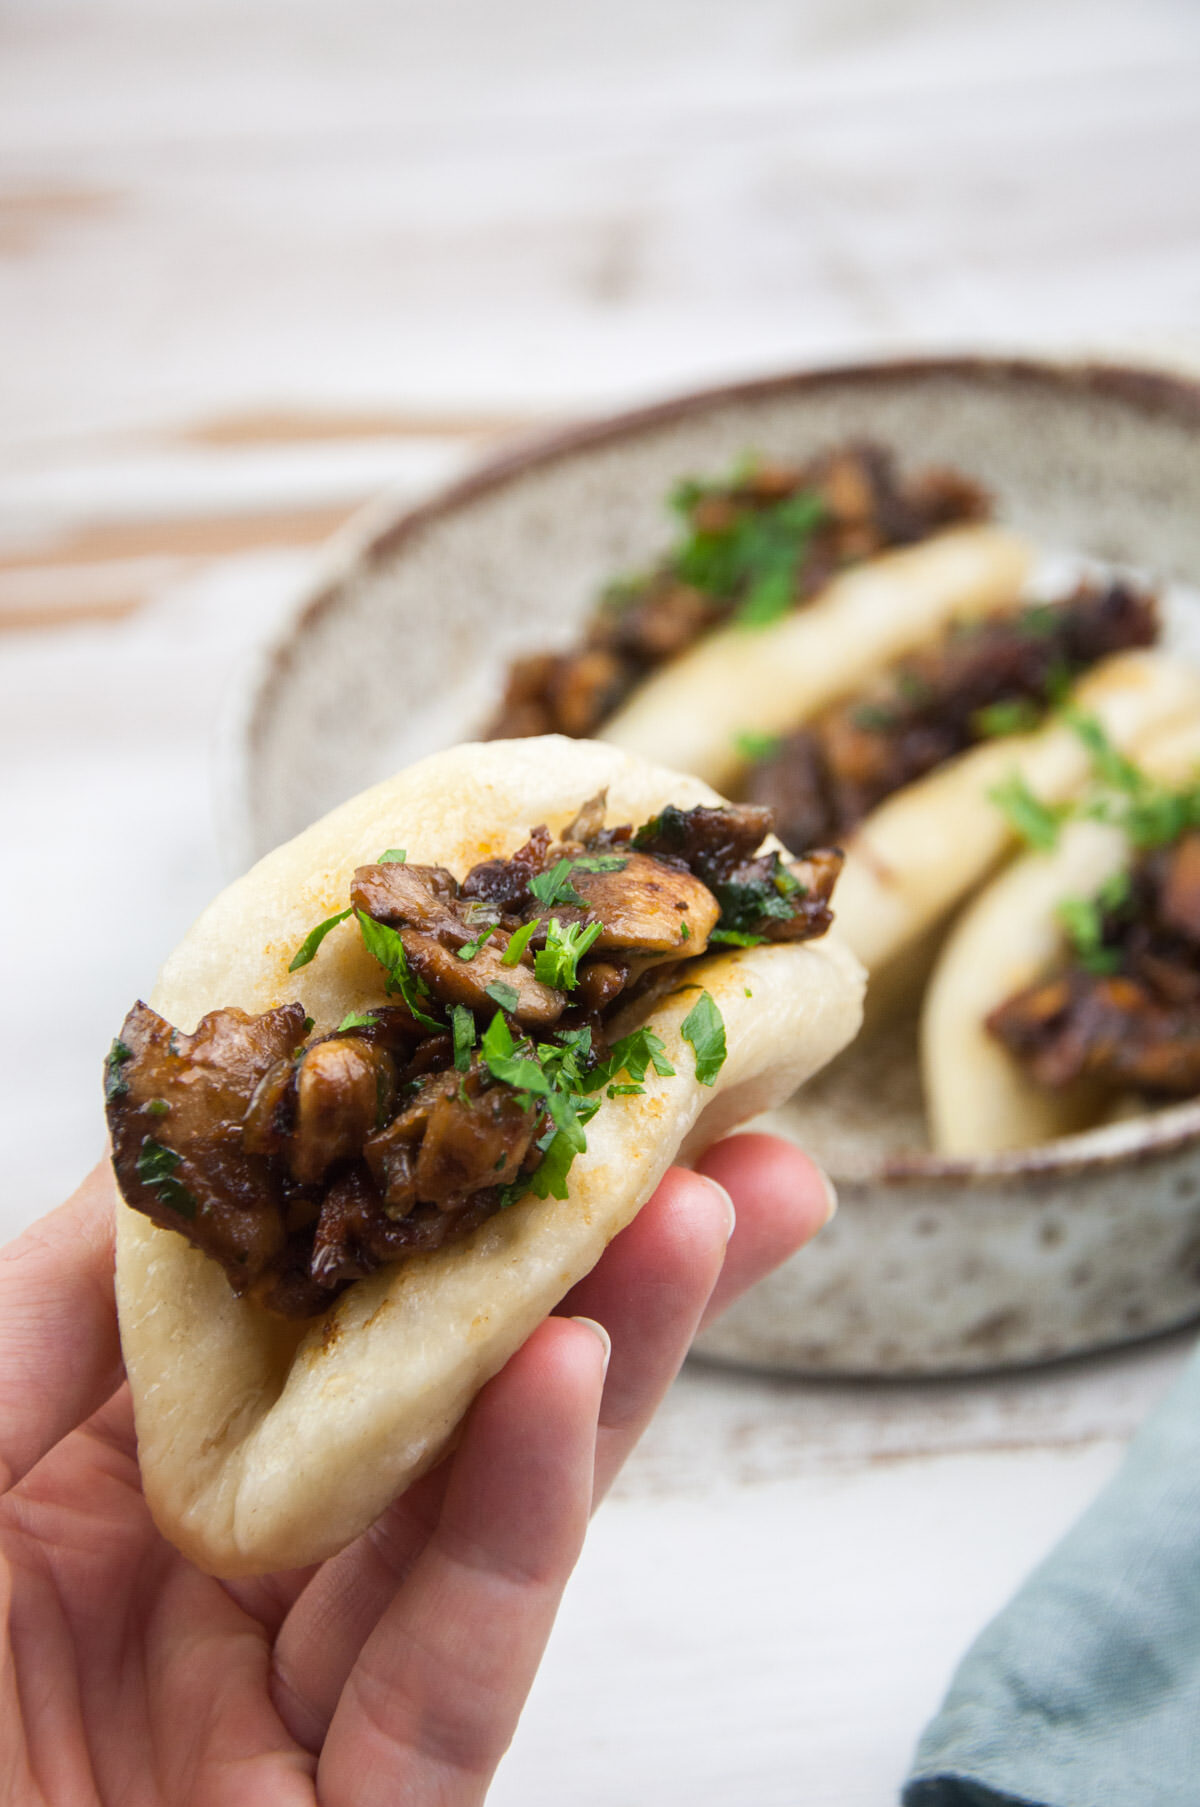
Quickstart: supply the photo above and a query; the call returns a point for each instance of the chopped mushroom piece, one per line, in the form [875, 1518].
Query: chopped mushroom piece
[791, 527]
[980, 679]
[647, 907]
[420, 896]
[175, 1109]
[1126, 1013]
[467, 982]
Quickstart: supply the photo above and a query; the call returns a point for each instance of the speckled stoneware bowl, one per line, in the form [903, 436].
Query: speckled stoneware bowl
[931, 1266]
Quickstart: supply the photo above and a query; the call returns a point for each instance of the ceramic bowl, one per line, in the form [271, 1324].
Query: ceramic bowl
[931, 1266]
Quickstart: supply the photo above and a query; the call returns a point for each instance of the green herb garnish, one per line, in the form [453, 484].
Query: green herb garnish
[1032, 821]
[633, 1055]
[312, 941]
[469, 949]
[736, 938]
[554, 885]
[157, 1107]
[519, 941]
[704, 1028]
[557, 963]
[394, 856]
[357, 1019]
[1015, 716]
[755, 747]
[502, 994]
[462, 1027]
[384, 944]
[115, 1083]
[155, 1168]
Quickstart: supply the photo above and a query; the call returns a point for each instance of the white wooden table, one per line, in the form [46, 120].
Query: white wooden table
[259, 261]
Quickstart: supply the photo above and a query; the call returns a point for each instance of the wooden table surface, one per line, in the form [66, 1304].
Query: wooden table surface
[259, 262]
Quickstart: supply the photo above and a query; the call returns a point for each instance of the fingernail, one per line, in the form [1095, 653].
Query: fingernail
[719, 1189]
[831, 1197]
[602, 1333]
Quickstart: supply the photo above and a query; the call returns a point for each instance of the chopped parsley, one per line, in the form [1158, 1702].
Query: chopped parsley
[1110, 765]
[554, 885]
[755, 747]
[756, 557]
[704, 1028]
[685, 930]
[357, 1019]
[462, 1027]
[745, 902]
[384, 944]
[1032, 821]
[557, 963]
[312, 941]
[736, 938]
[157, 1107]
[156, 1167]
[1083, 920]
[115, 1083]
[394, 856]
[633, 1055]
[502, 994]
[519, 941]
[1015, 716]
[469, 949]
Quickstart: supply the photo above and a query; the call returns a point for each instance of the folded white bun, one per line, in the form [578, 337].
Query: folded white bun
[926, 847]
[979, 1100]
[770, 679]
[266, 1444]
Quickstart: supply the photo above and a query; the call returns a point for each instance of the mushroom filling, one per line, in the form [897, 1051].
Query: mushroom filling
[1126, 1011]
[982, 679]
[752, 549]
[510, 1006]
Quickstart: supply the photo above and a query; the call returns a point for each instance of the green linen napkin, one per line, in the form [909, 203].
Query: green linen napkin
[1085, 1690]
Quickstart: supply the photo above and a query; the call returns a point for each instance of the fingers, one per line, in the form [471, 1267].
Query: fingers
[431, 1705]
[781, 1198]
[60, 1356]
[649, 1291]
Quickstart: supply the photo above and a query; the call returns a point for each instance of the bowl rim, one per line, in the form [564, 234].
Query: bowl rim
[381, 528]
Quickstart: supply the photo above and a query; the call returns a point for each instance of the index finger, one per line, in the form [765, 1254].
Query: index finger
[60, 1355]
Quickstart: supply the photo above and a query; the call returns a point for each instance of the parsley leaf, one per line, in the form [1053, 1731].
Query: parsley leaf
[312, 941]
[554, 886]
[1017, 715]
[735, 938]
[1034, 822]
[704, 1028]
[557, 963]
[155, 1168]
[518, 941]
[754, 747]
[357, 1019]
[1111, 765]
[634, 1055]
[502, 994]
[462, 1025]
[1083, 920]
[503, 1062]
[469, 949]
[394, 856]
[115, 1083]
[384, 944]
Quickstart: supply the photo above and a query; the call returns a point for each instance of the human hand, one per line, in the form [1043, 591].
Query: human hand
[397, 1670]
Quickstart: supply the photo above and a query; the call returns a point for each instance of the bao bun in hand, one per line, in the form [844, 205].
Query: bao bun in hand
[268, 1442]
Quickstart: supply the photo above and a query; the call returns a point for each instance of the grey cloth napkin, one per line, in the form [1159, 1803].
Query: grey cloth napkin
[1085, 1690]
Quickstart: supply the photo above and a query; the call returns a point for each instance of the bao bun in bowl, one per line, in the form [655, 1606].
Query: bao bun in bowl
[931, 1265]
